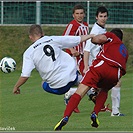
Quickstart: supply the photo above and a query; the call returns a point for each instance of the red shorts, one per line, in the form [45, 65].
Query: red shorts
[101, 75]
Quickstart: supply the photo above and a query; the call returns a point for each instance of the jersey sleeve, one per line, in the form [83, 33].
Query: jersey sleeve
[70, 30]
[67, 41]
[108, 34]
[28, 65]
[88, 45]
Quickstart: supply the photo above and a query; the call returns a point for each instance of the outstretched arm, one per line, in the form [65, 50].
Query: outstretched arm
[86, 37]
[86, 60]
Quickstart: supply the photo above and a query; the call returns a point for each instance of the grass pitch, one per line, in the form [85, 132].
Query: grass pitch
[36, 110]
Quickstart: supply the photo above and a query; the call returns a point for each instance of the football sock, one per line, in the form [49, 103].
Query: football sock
[72, 91]
[100, 100]
[115, 96]
[72, 104]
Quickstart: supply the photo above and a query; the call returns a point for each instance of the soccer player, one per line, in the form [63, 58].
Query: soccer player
[104, 73]
[90, 52]
[46, 55]
[76, 27]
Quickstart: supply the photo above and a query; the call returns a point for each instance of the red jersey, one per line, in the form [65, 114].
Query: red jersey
[76, 29]
[114, 52]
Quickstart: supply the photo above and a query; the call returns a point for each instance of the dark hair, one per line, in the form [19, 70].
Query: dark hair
[118, 32]
[101, 9]
[78, 6]
[35, 30]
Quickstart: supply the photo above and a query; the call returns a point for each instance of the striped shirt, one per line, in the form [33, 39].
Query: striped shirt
[75, 28]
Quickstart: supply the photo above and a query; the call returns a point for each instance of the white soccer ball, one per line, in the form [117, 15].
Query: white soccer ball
[7, 65]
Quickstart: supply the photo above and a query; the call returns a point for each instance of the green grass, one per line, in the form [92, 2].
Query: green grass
[37, 110]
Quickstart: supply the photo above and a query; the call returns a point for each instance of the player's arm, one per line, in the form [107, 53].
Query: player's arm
[99, 39]
[86, 37]
[74, 52]
[72, 41]
[19, 83]
[86, 59]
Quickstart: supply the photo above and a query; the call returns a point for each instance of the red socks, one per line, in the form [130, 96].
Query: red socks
[100, 100]
[72, 104]
[75, 99]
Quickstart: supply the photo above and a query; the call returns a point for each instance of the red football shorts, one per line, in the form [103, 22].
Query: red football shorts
[101, 75]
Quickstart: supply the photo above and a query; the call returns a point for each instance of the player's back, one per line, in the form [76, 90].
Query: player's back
[114, 52]
[52, 62]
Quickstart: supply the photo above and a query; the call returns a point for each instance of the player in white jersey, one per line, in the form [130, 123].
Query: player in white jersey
[46, 55]
[90, 53]
[91, 50]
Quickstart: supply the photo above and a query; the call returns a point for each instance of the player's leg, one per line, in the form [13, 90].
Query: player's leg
[109, 78]
[83, 88]
[72, 104]
[100, 100]
[115, 96]
[71, 92]
[92, 94]
[67, 98]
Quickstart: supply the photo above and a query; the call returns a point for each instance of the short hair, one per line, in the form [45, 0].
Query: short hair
[78, 6]
[35, 30]
[118, 32]
[101, 9]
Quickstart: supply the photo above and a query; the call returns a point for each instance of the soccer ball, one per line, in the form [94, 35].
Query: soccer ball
[7, 65]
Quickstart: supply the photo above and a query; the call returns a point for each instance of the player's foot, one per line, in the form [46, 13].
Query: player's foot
[62, 123]
[76, 110]
[106, 109]
[94, 122]
[117, 114]
[93, 96]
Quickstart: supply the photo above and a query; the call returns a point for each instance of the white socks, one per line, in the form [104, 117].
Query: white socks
[70, 93]
[115, 95]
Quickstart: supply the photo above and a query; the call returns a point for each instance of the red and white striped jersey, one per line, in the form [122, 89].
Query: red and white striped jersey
[75, 28]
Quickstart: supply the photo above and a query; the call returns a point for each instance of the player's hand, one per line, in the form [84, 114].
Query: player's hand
[85, 69]
[16, 90]
[74, 52]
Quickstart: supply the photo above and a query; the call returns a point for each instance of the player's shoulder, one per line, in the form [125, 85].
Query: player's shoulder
[85, 23]
[28, 51]
[75, 23]
[96, 29]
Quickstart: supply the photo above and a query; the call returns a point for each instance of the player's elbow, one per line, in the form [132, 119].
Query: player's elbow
[99, 39]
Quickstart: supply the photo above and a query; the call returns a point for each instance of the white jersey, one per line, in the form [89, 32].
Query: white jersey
[92, 48]
[55, 66]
